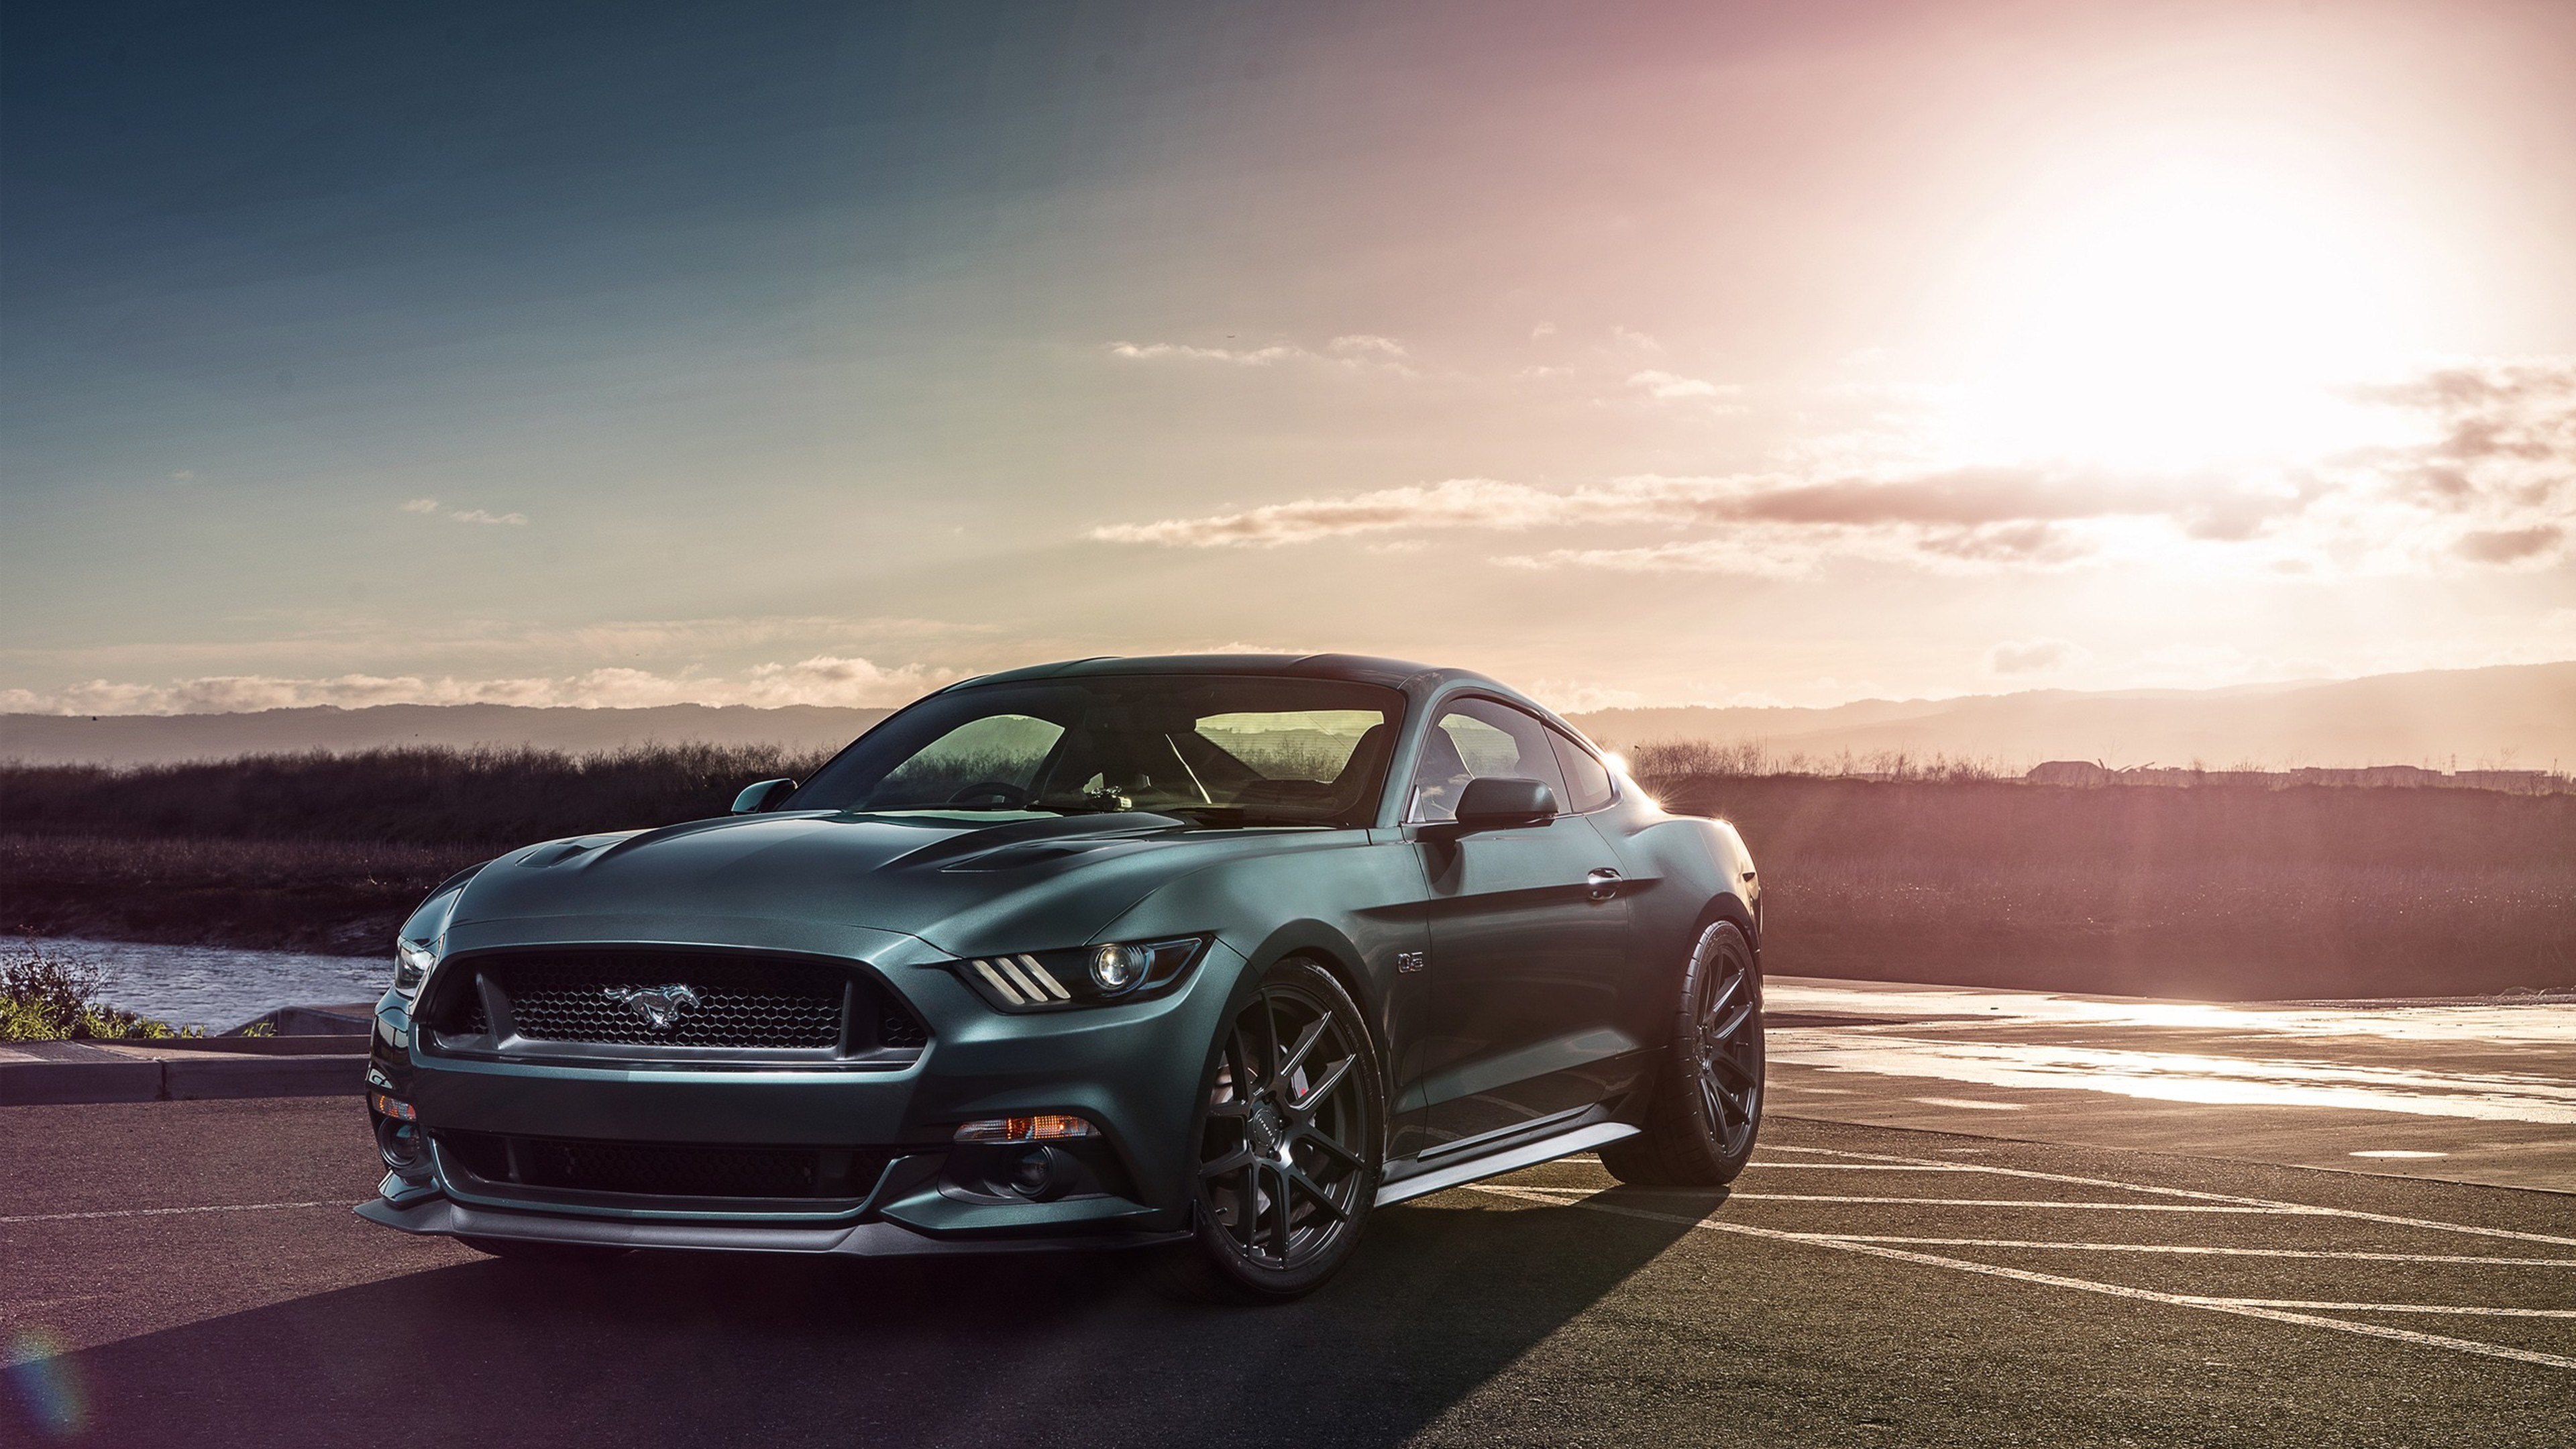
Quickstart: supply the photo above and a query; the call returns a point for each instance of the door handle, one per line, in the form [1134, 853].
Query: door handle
[1602, 883]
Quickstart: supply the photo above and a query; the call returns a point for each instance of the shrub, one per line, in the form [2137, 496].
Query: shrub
[46, 997]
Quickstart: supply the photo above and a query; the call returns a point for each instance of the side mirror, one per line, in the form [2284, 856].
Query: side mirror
[1499, 802]
[766, 795]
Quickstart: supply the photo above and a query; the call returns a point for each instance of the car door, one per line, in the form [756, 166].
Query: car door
[1528, 937]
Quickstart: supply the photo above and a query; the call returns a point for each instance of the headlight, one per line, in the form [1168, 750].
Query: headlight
[423, 938]
[412, 960]
[1083, 976]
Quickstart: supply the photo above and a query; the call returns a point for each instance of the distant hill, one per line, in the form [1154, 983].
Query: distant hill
[134, 739]
[2519, 716]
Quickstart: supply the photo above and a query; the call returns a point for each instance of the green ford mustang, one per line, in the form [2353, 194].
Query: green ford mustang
[1209, 956]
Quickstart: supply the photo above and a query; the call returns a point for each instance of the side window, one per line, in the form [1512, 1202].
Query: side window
[1473, 739]
[1587, 780]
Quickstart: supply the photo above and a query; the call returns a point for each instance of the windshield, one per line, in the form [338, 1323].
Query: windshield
[1214, 749]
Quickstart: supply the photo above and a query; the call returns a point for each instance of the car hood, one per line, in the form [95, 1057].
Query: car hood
[961, 882]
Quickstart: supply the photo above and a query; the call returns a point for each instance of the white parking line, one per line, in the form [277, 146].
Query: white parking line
[2021, 1275]
[2013, 1202]
[2194, 1250]
[2216, 1197]
[1856, 1167]
[234, 1207]
[2399, 1308]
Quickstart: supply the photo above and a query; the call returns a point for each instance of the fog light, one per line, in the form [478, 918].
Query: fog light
[1041, 1173]
[399, 1144]
[1044, 1128]
[1119, 968]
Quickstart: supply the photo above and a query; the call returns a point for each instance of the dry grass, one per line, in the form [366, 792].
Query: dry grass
[2214, 893]
[495, 798]
[1937, 872]
[287, 895]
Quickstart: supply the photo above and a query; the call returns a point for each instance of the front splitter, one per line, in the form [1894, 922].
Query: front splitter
[445, 1217]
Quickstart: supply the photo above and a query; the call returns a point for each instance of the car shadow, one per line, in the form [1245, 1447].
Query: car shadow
[710, 1348]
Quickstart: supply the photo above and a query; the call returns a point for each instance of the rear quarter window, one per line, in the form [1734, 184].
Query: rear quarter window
[1587, 780]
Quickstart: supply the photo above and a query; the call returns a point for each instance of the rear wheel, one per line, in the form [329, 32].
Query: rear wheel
[1287, 1144]
[1707, 1103]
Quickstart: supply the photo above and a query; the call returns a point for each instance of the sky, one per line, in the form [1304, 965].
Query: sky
[1633, 353]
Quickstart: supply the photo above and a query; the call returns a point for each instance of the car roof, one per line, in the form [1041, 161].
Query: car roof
[1418, 681]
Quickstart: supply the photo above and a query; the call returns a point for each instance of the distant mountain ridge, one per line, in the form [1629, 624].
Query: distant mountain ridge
[2519, 716]
[136, 739]
[2509, 716]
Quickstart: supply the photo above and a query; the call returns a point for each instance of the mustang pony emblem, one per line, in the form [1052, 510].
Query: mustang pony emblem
[660, 1006]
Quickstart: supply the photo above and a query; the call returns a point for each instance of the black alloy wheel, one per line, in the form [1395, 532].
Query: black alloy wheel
[1288, 1143]
[1707, 1105]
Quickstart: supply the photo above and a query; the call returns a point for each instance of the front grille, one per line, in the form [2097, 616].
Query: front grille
[898, 1027]
[739, 1003]
[656, 1169]
[594, 998]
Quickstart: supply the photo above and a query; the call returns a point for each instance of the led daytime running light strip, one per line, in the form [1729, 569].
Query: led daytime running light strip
[1021, 987]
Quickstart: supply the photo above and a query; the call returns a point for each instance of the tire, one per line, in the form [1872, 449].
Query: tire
[523, 1250]
[1706, 1106]
[1285, 1172]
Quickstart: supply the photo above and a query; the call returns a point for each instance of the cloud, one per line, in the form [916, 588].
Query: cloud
[1456, 503]
[822, 679]
[2493, 484]
[184, 475]
[1639, 340]
[1542, 331]
[1575, 697]
[1352, 350]
[2035, 656]
[426, 506]
[2508, 545]
[1770, 524]
[1244, 357]
[1667, 386]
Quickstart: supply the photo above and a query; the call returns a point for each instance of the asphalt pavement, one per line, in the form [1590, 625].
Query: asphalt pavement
[189, 1273]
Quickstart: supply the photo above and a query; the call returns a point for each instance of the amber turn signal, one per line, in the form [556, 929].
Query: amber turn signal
[1043, 1128]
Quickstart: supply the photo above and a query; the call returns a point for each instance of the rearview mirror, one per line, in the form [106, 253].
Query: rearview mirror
[766, 795]
[1499, 802]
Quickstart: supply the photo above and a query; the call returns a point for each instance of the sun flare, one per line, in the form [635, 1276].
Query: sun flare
[2182, 312]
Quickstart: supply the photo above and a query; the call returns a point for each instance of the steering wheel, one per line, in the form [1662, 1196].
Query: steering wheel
[1002, 793]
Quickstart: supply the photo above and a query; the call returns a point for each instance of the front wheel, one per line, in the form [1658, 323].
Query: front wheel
[1288, 1142]
[1707, 1102]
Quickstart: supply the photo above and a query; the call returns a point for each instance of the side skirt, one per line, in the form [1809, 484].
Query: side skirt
[1528, 1154]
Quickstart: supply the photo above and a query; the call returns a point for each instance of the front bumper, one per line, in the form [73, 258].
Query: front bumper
[1132, 1070]
[439, 1216]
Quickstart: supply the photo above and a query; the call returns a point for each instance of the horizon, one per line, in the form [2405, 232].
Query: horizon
[2247, 687]
[1733, 356]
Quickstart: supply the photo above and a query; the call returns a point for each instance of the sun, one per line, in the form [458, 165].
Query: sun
[2180, 310]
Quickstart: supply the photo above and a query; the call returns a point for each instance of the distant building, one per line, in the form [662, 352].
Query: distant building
[2069, 772]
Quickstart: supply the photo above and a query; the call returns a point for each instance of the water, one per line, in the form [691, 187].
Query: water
[219, 988]
[2484, 1061]
[2187, 1076]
